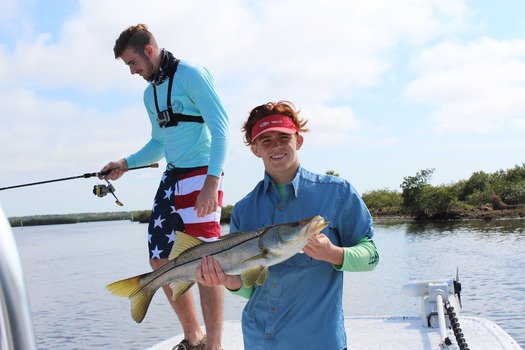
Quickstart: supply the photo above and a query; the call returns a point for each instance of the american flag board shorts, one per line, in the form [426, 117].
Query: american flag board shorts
[173, 210]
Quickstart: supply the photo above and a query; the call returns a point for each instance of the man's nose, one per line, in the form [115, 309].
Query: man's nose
[276, 143]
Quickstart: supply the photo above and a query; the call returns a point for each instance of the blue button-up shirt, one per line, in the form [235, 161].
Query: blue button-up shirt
[300, 304]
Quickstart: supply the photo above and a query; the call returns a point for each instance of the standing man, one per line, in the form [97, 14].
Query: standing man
[300, 304]
[189, 128]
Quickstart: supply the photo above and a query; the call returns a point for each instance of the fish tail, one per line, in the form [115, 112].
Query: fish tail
[131, 288]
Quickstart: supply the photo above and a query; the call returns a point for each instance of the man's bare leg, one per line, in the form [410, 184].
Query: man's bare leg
[212, 303]
[184, 307]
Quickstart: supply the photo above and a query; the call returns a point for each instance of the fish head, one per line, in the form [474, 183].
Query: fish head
[290, 238]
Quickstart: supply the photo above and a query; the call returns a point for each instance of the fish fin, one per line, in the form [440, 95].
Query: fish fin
[254, 275]
[183, 242]
[131, 288]
[262, 277]
[180, 288]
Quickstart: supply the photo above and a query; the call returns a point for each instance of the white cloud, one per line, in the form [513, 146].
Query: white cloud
[41, 135]
[66, 104]
[331, 126]
[477, 86]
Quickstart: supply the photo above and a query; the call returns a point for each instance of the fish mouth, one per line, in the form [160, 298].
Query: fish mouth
[303, 229]
[315, 226]
[320, 224]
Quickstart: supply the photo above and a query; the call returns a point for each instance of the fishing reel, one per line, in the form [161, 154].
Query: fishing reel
[102, 190]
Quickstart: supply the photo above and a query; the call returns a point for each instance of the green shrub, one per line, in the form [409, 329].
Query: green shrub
[226, 214]
[514, 193]
[383, 200]
[438, 201]
[478, 198]
[516, 174]
[478, 182]
[142, 216]
[412, 188]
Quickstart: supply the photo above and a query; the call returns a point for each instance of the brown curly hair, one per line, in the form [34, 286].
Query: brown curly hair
[136, 37]
[286, 108]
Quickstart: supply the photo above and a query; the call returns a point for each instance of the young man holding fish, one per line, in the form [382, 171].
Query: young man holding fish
[300, 304]
[191, 130]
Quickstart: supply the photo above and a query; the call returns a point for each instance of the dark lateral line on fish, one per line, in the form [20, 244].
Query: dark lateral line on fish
[256, 234]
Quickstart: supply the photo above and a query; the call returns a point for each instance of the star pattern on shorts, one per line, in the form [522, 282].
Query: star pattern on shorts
[171, 236]
[155, 253]
[168, 192]
[158, 222]
[164, 176]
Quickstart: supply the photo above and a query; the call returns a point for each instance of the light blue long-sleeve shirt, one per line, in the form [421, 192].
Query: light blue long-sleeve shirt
[300, 304]
[188, 144]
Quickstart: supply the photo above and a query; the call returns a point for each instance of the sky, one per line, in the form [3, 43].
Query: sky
[389, 88]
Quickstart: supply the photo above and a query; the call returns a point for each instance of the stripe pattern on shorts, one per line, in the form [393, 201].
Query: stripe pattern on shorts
[173, 210]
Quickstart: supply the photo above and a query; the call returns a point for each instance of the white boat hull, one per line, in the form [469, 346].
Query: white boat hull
[369, 333]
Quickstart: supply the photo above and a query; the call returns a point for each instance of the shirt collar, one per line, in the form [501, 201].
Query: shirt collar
[268, 182]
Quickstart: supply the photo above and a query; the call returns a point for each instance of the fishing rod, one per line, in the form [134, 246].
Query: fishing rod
[98, 190]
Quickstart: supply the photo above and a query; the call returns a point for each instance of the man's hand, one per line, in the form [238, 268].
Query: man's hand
[208, 198]
[210, 274]
[320, 247]
[116, 169]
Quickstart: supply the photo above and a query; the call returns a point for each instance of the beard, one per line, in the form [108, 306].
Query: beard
[149, 71]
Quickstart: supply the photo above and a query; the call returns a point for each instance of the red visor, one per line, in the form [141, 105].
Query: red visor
[274, 122]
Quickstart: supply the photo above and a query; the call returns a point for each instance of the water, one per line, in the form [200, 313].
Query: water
[68, 266]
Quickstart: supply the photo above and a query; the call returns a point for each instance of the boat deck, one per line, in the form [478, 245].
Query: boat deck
[368, 333]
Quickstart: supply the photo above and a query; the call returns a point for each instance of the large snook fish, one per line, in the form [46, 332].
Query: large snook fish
[248, 254]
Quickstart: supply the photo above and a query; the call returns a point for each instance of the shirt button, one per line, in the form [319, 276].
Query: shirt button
[274, 285]
[273, 309]
[279, 208]
[269, 335]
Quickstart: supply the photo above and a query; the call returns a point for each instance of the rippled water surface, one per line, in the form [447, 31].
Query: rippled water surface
[68, 266]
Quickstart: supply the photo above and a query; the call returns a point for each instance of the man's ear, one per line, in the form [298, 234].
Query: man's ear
[255, 150]
[149, 51]
[299, 141]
